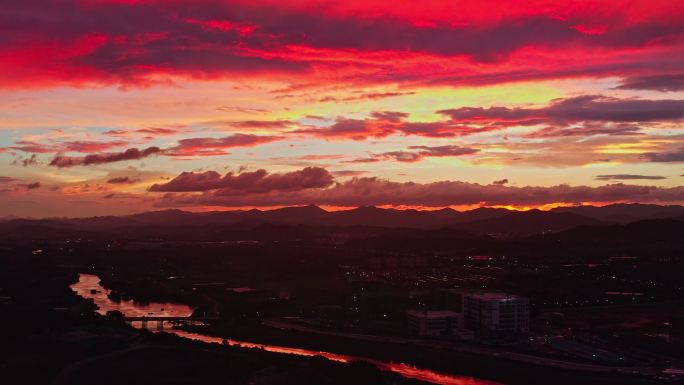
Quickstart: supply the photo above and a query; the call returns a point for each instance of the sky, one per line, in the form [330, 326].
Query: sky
[111, 107]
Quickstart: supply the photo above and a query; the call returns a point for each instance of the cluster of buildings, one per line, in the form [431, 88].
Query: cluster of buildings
[486, 314]
[372, 305]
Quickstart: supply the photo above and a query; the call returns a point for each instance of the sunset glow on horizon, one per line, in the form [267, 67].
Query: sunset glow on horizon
[122, 106]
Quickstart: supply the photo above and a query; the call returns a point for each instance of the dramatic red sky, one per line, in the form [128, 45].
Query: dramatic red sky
[119, 106]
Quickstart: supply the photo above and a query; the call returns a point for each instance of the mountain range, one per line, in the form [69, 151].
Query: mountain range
[497, 222]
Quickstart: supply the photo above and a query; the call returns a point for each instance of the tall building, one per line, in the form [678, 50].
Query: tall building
[434, 322]
[496, 314]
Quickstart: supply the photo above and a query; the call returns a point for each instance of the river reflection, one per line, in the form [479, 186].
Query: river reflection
[88, 286]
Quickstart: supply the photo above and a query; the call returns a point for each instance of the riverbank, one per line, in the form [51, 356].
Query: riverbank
[439, 359]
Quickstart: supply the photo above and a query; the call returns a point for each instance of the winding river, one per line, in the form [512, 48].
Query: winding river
[89, 287]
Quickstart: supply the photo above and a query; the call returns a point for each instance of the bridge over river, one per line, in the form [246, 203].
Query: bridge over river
[161, 319]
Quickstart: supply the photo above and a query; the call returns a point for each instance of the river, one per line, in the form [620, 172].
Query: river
[89, 287]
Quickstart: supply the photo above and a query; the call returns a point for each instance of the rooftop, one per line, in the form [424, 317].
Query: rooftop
[433, 313]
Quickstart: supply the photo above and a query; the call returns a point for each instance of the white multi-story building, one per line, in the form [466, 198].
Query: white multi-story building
[434, 322]
[496, 313]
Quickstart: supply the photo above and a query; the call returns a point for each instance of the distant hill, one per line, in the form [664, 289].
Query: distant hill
[519, 223]
[650, 234]
[624, 213]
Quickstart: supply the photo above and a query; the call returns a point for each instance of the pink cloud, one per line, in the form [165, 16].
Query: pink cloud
[129, 154]
[70, 146]
[418, 153]
[375, 191]
[139, 42]
[259, 181]
[217, 146]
